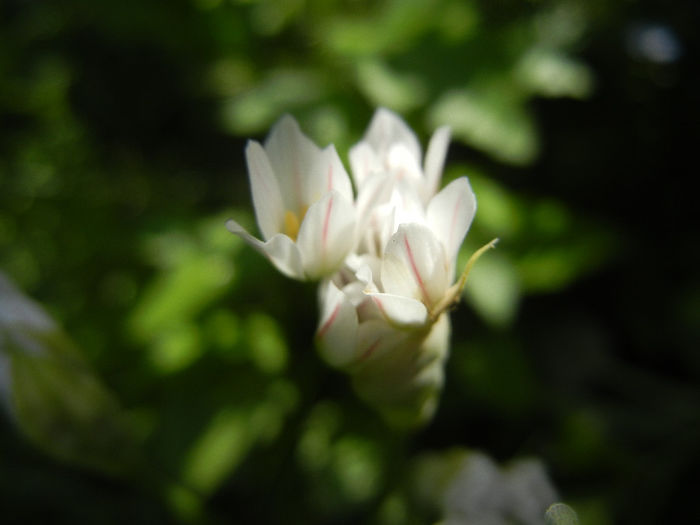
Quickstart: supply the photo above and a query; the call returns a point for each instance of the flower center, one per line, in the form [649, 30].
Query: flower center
[292, 222]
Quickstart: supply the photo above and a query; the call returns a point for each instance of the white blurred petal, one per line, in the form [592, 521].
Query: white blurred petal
[267, 200]
[435, 160]
[293, 157]
[327, 234]
[375, 191]
[408, 206]
[387, 129]
[335, 177]
[337, 332]
[400, 310]
[363, 163]
[365, 275]
[414, 265]
[375, 337]
[404, 164]
[450, 213]
[280, 249]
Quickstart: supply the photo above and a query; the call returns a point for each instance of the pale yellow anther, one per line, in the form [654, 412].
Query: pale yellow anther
[291, 225]
[292, 222]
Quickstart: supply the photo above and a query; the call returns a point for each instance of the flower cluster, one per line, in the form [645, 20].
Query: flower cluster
[385, 259]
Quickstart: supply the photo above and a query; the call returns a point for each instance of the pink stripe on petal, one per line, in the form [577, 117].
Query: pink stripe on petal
[414, 269]
[322, 331]
[367, 353]
[326, 221]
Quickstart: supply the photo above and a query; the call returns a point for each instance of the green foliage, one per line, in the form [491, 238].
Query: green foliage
[187, 389]
[54, 396]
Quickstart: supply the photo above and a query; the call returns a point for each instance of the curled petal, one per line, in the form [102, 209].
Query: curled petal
[267, 199]
[280, 249]
[450, 213]
[327, 235]
[435, 160]
[337, 333]
[414, 265]
[399, 310]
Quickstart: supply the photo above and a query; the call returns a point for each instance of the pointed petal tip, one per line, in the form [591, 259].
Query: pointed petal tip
[252, 143]
[232, 225]
[285, 121]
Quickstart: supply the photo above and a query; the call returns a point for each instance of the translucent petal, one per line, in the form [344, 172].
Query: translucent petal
[328, 174]
[404, 164]
[407, 203]
[280, 249]
[387, 129]
[363, 163]
[337, 332]
[375, 338]
[375, 191]
[400, 310]
[450, 213]
[267, 199]
[327, 235]
[435, 160]
[414, 265]
[293, 157]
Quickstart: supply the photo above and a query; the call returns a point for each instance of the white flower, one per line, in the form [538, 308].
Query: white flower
[387, 260]
[408, 288]
[390, 147]
[386, 164]
[383, 317]
[303, 203]
[419, 259]
[397, 368]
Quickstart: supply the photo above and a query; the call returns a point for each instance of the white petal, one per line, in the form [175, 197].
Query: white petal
[267, 199]
[375, 191]
[404, 164]
[330, 175]
[414, 265]
[435, 160]
[337, 332]
[280, 249]
[400, 310]
[364, 275]
[407, 203]
[363, 163]
[294, 157]
[327, 234]
[450, 213]
[387, 129]
[375, 338]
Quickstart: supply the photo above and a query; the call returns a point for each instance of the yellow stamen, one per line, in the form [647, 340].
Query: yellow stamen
[292, 222]
[455, 291]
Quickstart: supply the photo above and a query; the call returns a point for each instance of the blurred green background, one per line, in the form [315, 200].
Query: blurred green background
[122, 128]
